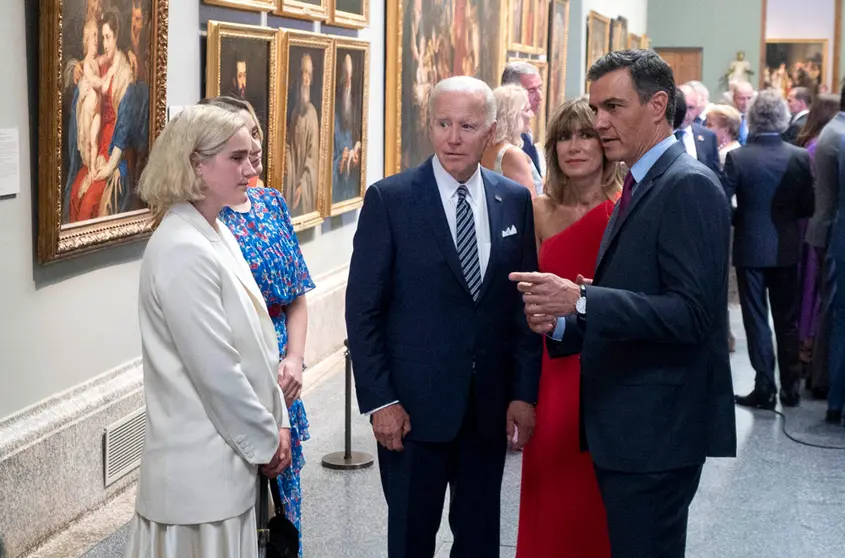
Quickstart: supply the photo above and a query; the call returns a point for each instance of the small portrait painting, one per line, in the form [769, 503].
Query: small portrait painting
[350, 118]
[242, 64]
[598, 37]
[103, 78]
[350, 13]
[557, 53]
[308, 62]
[619, 34]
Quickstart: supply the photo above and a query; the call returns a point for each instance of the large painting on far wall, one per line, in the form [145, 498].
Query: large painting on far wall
[242, 63]
[349, 145]
[306, 112]
[103, 71]
[558, 39]
[439, 40]
[598, 37]
[793, 62]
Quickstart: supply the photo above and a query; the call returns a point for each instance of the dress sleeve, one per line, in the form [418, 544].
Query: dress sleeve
[298, 278]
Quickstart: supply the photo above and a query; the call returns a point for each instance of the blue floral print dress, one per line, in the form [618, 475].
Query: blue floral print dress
[270, 247]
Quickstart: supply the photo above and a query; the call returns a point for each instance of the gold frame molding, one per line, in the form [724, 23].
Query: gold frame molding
[303, 10]
[592, 17]
[393, 78]
[250, 5]
[216, 31]
[351, 20]
[334, 209]
[825, 51]
[564, 54]
[523, 48]
[55, 240]
[312, 40]
[635, 41]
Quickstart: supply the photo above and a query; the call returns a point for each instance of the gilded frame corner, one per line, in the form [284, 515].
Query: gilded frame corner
[325, 42]
[216, 31]
[339, 18]
[334, 209]
[58, 241]
[302, 10]
[250, 5]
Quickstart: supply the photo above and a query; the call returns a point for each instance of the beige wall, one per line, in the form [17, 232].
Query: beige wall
[68, 322]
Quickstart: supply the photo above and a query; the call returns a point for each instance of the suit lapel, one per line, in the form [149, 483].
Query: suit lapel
[494, 218]
[438, 225]
[640, 193]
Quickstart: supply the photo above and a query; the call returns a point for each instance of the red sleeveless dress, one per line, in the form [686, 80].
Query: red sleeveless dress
[560, 511]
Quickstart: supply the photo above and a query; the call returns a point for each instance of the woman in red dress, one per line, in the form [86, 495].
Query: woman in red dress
[561, 513]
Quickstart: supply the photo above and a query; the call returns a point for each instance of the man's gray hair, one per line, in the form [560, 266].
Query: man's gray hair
[466, 84]
[514, 71]
[701, 89]
[769, 113]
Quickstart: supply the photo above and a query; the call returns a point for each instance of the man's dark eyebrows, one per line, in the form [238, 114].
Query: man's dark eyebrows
[613, 101]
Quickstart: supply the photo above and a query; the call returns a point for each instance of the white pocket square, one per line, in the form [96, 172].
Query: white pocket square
[509, 231]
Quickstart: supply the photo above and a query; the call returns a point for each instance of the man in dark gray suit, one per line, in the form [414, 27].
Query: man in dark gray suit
[773, 185]
[656, 393]
[827, 231]
[799, 101]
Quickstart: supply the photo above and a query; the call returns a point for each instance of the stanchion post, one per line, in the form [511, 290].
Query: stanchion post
[348, 459]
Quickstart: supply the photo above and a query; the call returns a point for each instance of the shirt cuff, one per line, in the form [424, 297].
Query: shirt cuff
[560, 329]
[368, 413]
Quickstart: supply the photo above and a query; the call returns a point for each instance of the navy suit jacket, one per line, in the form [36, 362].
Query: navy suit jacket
[773, 183]
[707, 148]
[656, 391]
[415, 333]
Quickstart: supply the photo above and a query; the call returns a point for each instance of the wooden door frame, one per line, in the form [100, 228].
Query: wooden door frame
[685, 49]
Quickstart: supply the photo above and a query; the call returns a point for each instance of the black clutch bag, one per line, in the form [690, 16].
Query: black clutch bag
[277, 537]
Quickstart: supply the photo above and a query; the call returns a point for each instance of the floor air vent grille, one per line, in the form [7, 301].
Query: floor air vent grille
[124, 443]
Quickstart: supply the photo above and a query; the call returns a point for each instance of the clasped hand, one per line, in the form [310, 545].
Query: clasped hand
[282, 458]
[390, 426]
[547, 297]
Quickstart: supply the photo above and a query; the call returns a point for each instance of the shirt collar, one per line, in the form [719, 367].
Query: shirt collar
[800, 114]
[644, 164]
[447, 183]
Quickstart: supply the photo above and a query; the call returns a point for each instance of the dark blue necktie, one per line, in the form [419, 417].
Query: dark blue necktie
[466, 243]
[530, 150]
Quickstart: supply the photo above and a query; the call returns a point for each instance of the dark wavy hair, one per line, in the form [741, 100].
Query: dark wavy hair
[822, 111]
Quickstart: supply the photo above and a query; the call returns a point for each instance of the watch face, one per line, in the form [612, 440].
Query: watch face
[581, 305]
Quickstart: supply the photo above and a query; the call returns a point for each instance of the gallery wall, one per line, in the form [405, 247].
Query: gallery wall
[67, 322]
[634, 10]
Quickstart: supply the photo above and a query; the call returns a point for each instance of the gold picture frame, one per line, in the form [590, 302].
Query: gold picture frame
[303, 9]
[305, 193]
[634, 41]
[250, 5]
[619, 34]
[104, 211]
[346, 18]
[358, 52]
[645, 42]
[557, 54]
[538, 123]
[249, 42]
[799, 51]
[409, 78]
[524, 26]
[598, 37]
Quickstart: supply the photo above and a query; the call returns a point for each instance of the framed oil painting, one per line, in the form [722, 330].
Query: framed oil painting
[437, 41]
[350, 13]
[305, 116]
[538, 123]
[598, 37]
[635, 41]
[558, 39]
[527, 25]
[541, 34]
[349, 124]
[313, 10]
[103, 87]
[619, 34]
[797, 61]
[251, 5]
[242, 62]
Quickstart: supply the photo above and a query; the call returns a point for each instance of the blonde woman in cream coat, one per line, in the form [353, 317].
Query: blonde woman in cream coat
[215, 412]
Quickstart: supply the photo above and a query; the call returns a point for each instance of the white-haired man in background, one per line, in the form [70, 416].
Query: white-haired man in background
[444, 361]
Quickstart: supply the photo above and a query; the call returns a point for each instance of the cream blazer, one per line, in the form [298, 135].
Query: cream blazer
[214, 407]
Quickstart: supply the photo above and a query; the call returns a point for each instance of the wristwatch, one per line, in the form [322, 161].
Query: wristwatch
[581, 303]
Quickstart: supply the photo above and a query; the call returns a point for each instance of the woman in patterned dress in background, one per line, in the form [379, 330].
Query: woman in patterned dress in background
[265, 234]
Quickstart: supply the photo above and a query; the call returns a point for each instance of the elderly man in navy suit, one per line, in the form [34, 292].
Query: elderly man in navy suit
[444, 361]
[700, 142]
[656, 393]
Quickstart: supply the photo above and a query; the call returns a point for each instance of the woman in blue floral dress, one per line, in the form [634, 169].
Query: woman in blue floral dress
[264, 231]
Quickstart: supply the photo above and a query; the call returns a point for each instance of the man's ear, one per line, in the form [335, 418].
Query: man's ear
[491, 133]
[659, 103]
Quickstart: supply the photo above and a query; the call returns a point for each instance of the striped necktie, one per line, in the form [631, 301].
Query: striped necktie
[466, 243]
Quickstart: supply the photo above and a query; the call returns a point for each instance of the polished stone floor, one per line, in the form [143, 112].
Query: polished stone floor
[777, 499]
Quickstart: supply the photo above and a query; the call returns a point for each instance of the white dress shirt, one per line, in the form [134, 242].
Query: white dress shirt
[448, 188]
[689, 141]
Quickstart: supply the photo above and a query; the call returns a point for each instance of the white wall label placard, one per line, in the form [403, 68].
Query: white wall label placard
[10, 178]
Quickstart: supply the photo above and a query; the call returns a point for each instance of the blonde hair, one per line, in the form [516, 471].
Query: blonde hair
[570, 117]
[90, 28]
[195, 135]
[234, 104]
[726, 117]
[510, 102]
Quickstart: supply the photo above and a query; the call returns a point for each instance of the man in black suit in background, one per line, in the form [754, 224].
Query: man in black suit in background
[799, 101]
[773, 183]
[656, 392]
[700, 142]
